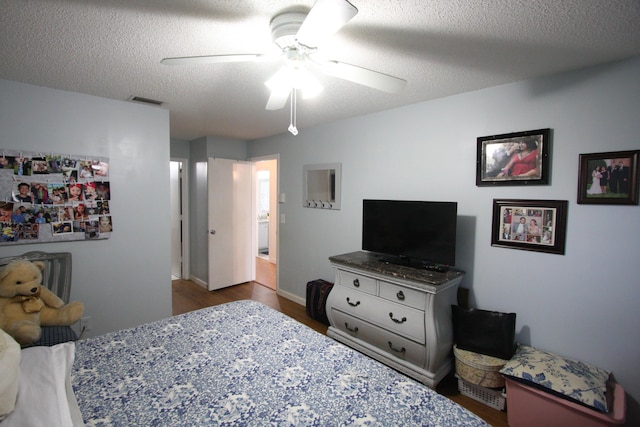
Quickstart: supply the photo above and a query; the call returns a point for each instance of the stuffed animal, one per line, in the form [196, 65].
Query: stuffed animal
[25, 304]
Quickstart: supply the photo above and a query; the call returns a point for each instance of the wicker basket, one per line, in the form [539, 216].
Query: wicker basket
[493, 398]
[479, 369]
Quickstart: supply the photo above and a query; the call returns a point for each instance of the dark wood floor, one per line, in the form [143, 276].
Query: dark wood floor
[189, 296]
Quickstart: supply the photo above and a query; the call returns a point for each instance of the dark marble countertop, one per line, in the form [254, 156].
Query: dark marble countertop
[374, 262]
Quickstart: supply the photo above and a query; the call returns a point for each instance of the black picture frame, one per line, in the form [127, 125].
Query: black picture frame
[548, 216]
[494, 154]
[616, 173]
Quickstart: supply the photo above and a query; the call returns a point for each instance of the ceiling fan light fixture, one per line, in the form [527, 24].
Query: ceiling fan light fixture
[279, 81]
[295, 77]
[284, 28]
[308, 84]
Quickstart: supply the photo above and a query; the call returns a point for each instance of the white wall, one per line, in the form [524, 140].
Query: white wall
[583, 304]
[124, 280]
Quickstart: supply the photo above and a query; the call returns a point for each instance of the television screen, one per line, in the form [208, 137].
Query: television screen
[417, 233]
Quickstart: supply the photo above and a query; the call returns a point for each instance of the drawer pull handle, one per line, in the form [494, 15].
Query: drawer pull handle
[402, 350]
[353, 304]
[354, 330]
[400, 295]
[356, 283]
[404, 319]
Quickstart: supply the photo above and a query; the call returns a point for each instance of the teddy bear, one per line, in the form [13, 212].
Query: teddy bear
[26, 305]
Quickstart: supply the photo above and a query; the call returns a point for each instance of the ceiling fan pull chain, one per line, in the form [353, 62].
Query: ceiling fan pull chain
[293, 126]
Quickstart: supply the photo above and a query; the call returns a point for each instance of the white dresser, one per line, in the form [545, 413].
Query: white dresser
[398, 315]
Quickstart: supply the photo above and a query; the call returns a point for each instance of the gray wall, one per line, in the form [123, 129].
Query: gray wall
[179, 148]
[124, 280]
[583, 304]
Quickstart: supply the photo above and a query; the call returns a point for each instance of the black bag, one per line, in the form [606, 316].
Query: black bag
[486, 332]
[317, 293]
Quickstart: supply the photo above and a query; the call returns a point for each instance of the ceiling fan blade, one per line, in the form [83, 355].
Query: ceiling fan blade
[325, 18]
[278, 98]
[364, 76]
[216, 59]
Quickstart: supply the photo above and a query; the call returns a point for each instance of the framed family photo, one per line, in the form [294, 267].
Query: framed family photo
[532, 225]
[520, 158]
[608, 178]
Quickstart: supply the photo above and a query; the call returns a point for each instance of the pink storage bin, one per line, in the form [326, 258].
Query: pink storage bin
[531, 407]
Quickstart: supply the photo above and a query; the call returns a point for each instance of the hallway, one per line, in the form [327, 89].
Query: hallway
[266, 272]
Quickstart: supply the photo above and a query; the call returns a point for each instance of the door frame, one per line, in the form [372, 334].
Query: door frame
[184, 202]
[275, 157]
[229, 212]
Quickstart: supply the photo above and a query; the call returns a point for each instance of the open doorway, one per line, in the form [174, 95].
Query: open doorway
[179, 218]
[267, 213]
[266, 262]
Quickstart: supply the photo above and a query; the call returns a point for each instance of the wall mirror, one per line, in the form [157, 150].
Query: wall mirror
[322, 183]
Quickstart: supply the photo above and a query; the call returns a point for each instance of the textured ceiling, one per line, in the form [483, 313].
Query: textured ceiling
[113, 48]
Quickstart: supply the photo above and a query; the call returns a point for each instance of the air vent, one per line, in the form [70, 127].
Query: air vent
[146, 100]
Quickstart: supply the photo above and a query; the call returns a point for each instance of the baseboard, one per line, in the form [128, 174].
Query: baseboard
[292, 297]
[200, 282]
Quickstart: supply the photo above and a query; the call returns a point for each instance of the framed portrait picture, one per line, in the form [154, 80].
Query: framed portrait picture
[520, 158]
[531, 225]
[608, 178]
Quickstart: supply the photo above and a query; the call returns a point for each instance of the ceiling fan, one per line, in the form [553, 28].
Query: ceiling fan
[298, 35]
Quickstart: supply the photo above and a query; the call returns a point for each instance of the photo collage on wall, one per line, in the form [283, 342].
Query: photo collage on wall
[531, 225]
[52, 197]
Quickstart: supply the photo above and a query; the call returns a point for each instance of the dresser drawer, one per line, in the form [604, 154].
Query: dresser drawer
[356, 281]
[405, 321]
[402, 348]
[357, 303]
[400, 319]
[403, 295]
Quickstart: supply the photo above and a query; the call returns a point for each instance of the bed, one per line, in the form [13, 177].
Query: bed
[240, 363]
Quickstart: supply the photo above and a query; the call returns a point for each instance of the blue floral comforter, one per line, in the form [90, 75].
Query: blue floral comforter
[244, 363]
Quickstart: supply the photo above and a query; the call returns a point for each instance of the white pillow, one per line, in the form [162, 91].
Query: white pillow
[9, 373]
[45, 396]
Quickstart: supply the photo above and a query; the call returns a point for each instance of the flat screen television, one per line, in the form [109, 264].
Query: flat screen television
[417, 233]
